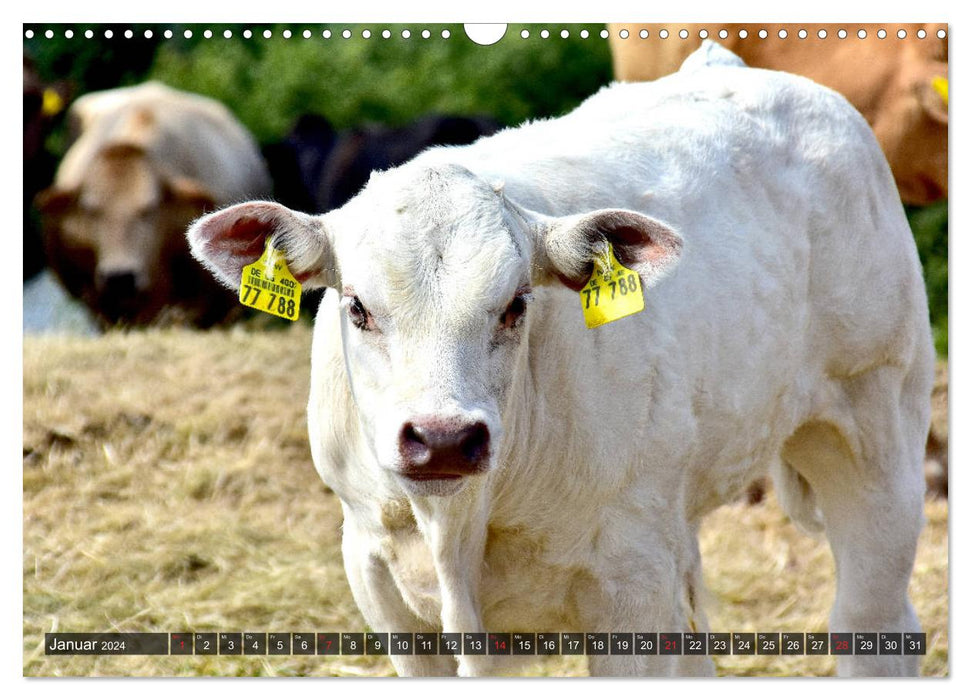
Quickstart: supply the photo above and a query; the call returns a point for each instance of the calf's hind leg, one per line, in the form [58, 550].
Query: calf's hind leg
[863, 460]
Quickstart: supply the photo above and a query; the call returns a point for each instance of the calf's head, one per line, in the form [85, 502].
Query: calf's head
[436, 270]
[116, 237]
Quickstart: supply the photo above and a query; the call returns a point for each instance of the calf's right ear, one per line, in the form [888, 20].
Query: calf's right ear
[229, 239]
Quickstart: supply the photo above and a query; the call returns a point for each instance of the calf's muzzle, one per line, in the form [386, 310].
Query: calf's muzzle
[441, 448]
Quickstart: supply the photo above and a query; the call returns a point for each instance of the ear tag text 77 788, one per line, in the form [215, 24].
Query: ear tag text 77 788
[613, 291]
[268, 286]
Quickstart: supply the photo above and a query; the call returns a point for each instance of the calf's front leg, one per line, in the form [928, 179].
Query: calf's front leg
[455, 529]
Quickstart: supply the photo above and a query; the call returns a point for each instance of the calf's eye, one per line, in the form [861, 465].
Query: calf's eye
[360, 316]
[514, 313]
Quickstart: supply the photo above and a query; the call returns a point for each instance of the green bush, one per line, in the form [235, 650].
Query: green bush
[929, 225]
[270, 82]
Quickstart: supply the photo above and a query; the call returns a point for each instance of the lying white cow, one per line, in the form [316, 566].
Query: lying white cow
[503, 468]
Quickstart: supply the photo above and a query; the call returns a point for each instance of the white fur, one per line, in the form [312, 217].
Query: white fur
[792, 330]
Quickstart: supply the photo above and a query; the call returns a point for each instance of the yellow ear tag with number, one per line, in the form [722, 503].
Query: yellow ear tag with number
[268, 286]
[613, 291]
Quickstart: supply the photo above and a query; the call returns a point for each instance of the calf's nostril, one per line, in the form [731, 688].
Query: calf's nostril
[413, 446]
[411, 436]
[475, 444]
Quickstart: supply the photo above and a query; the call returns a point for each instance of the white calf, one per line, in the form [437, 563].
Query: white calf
[503, 468]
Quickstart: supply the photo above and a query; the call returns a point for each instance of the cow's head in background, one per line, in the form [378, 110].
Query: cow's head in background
[436, 271]
[913, 126]
[115, 238]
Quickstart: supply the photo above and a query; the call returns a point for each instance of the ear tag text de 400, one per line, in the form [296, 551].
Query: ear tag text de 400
[268, 286]
[613, 291]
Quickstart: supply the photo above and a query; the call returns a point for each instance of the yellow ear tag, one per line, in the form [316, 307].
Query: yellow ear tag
[940, 85]
[52, 102]
[612, 292]
[267, 285]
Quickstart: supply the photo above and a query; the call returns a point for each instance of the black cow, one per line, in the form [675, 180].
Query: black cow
[42, 107]
[318, 169]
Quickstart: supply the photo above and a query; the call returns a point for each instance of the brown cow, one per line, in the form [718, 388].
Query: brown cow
[899, 85]
[147, 161]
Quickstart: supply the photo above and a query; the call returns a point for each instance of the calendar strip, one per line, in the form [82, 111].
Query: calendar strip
[485, 643]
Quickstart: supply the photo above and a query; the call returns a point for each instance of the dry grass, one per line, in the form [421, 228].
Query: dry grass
[168, 486]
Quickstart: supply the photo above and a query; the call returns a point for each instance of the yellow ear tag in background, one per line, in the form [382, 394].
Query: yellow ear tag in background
[52, 102]
[612, 292]
[940, 85]
[267, 285]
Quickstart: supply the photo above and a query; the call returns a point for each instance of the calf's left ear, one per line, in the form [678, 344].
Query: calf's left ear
[568, 246]
[229, 239]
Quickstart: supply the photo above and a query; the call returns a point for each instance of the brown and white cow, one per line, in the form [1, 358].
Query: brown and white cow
[897, 84]
[147, 161]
